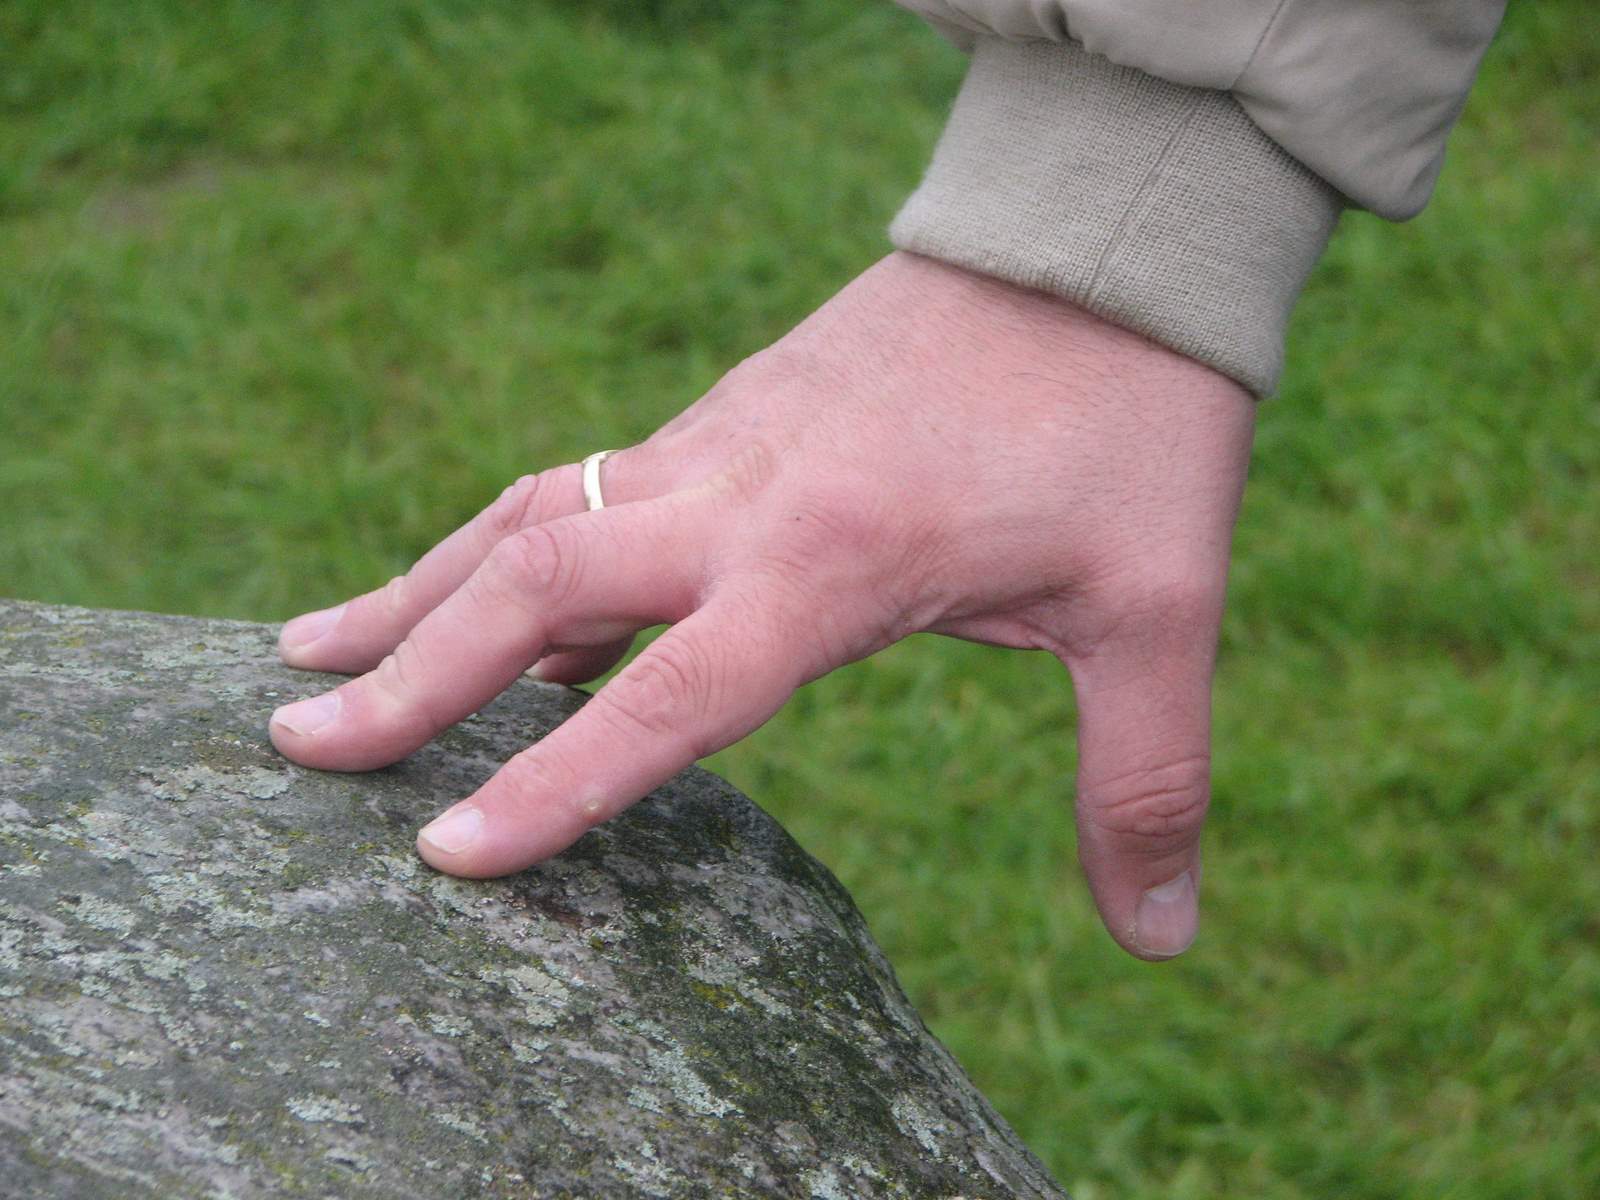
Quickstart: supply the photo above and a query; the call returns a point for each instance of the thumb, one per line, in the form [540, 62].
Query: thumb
[1144, 781]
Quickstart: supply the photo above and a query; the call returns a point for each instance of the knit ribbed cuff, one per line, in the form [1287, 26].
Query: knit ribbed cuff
[1159, 207]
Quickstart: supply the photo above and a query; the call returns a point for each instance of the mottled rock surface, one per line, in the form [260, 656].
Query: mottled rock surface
[222, 975]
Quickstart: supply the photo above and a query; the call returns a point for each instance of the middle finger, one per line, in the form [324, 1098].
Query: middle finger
[584, 580]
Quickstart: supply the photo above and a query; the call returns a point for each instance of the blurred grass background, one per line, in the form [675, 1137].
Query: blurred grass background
[287, 291]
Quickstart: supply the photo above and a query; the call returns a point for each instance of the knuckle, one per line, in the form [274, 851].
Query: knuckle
[748, 473]
[1157, 608]
[396, 679]
[521, 504]
[1155, 805]
[392, 599]
[539, 560]
[841, 568]
[838, 523]
[665, 694]
[531, 779]
[385, 607]
[545, 779]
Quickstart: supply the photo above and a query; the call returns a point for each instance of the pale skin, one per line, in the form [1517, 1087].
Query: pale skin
[931, 451]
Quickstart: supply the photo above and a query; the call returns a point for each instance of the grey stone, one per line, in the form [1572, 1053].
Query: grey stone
[222, 975]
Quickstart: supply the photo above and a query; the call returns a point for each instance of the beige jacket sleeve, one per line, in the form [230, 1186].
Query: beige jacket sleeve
[1178, 166]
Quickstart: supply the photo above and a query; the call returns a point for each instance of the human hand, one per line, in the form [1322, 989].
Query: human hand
[931, 450]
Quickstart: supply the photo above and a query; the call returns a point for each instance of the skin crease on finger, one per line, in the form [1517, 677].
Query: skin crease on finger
[931, 450]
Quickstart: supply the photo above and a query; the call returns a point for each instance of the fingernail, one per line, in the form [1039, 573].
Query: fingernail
[455, 830]
[307, 628]
[305, 717]
[1168, 918]
[535, 673]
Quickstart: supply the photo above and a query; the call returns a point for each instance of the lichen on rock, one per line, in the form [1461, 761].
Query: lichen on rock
[223, 975]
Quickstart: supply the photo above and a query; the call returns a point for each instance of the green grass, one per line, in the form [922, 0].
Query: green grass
[289, 290]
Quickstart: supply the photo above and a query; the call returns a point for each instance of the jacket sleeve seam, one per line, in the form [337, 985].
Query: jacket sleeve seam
[1119, 235]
